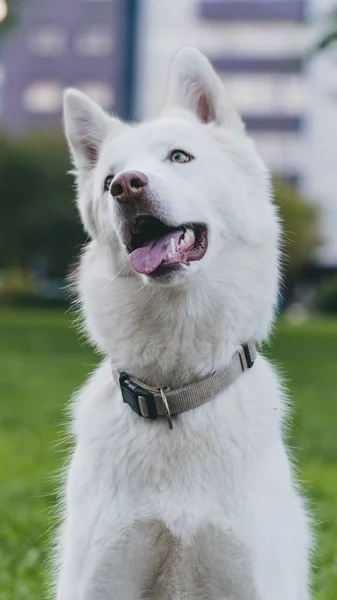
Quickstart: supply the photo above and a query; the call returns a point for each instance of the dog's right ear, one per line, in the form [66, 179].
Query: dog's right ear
[86, 125]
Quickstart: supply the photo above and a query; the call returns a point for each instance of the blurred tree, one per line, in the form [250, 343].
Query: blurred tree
[38, 221]
[300, 225]
[326, 295]
[58, 233]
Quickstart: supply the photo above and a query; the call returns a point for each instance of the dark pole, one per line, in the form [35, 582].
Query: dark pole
[131, 34]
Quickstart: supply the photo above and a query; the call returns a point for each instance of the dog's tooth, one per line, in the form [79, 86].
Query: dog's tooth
[172, 246]
[189, 234]
[169, 255]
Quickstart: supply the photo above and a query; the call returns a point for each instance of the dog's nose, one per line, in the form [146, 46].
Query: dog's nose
[128, 185]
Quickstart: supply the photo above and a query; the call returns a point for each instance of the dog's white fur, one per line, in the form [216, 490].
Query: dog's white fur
[209, 510]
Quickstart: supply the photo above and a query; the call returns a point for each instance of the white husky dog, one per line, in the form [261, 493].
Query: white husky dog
[177, 285]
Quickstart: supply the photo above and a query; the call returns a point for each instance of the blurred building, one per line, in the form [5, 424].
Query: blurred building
[256, 46]
[60, 43]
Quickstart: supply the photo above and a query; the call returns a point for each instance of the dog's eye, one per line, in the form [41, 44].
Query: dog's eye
[107, 182]
[179, 156]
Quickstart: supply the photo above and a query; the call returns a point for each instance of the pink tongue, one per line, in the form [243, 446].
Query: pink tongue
[145, 260]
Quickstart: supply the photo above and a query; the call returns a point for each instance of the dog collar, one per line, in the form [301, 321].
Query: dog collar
[152, 402]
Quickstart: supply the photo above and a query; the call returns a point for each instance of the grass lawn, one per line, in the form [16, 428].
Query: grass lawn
[42, 361]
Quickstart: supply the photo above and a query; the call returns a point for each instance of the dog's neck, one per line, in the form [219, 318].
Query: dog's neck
[165, 335]
[172, 337]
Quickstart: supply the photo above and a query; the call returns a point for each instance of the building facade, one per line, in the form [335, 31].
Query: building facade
[60, 43]
[256, 46]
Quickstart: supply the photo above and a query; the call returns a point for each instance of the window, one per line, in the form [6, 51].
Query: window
[96, 41]
[47, 41]
[43, 97]
[99, 91]
[266, 93]
[288, 94]
[250, 93]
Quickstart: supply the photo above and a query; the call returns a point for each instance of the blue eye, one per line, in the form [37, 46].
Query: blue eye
[179, 156]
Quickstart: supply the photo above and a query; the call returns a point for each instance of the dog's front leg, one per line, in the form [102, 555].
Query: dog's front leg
[284, 592]
[96, 556]
[96, 570]
[68, 582]
[74, 551]
[283, 577]
[99, 580]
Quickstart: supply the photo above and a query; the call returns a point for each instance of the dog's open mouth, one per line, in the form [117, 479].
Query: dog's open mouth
[156, 247]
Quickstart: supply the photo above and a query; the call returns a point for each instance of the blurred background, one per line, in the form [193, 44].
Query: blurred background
[279, 61]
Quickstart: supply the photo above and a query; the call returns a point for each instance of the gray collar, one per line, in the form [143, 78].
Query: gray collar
[152, 402]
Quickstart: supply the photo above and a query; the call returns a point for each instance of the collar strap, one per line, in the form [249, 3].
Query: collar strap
[152, 402]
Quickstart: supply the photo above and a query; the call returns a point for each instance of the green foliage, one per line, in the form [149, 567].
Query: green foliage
[38, 216]
[42, 362]
[300, 225]
[11, 18]
[326, 296]
[327, 40]
[330, 35]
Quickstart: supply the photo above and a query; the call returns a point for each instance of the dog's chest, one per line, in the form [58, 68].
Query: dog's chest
[212, 565]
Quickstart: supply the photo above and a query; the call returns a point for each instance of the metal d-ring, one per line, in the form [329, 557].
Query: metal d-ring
[167, 409]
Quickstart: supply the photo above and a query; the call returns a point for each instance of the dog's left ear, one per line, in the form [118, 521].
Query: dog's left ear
[194, 86]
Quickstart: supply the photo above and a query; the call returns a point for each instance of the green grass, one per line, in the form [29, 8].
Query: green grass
[42, 362]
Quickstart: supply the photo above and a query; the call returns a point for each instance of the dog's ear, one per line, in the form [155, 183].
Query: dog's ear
[194, 86]
[86, 125]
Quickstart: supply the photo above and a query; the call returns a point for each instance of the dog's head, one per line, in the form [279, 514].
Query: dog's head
[176, 193]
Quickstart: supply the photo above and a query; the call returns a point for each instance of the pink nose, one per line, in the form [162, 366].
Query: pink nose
[128, 185]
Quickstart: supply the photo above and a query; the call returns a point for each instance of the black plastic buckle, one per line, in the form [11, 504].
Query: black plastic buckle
[136, 397]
